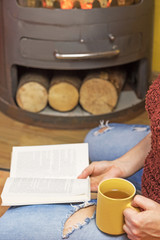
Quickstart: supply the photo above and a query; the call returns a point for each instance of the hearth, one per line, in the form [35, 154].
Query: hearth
[74, 40]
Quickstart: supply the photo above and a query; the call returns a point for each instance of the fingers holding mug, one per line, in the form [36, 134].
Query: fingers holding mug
[130, 226]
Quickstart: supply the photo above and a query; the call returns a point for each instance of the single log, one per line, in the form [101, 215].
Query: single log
[30, 3]
[103, 3]
[125, 2]
[64, 92]
[117, 78]
[32, 92]
[99, 92]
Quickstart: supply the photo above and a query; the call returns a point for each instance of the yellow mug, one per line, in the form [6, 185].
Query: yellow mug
[114, 195]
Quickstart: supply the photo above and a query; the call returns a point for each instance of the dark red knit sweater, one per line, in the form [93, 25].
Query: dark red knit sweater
[151, 174]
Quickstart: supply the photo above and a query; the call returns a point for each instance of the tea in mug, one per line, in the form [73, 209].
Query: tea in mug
[114, 195]
[117, 194]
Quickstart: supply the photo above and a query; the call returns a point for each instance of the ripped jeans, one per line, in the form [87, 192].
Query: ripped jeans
[47, 222]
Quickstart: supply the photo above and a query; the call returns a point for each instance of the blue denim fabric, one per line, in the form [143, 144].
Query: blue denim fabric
[114, 141]
[46, 222]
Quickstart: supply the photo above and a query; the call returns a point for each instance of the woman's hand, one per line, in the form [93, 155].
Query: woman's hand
[123, 167]
[144, 225]
[99, 171]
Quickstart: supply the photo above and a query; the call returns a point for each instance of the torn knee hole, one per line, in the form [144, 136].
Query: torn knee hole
[78, 218]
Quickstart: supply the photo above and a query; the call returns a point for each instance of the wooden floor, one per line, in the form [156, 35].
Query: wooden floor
[13, 133]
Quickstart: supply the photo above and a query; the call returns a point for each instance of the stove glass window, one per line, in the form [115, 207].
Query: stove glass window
[80, 4]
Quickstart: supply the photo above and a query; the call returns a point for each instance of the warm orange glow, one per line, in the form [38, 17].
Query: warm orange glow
[69, 4]
[44, 3]
[66, 4]
[86, 5]
[47, 4]
[109, 3]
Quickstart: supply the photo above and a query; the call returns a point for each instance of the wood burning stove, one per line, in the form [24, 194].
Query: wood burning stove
[71, 40]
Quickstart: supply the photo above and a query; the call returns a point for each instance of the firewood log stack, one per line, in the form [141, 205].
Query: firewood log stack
[63, 92]
[97, 94]
[100, 91]
[32, 92]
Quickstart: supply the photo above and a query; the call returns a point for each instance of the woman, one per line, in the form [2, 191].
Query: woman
[146, 224]
[135, 148]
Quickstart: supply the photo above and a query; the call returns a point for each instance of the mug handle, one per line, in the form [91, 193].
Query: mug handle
[134, 208]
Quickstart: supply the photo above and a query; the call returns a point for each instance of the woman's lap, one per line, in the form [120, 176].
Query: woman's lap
[41, 222]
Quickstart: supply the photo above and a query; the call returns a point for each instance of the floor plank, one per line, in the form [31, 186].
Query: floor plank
[3, 177]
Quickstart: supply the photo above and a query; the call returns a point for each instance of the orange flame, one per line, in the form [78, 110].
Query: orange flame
[86, 5]
[109, 3]
[69, 4]
[47, 4]
[66, 4]
[44, 3]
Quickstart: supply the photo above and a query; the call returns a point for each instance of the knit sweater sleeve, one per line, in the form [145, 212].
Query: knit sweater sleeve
[153, 97]
[151, 174]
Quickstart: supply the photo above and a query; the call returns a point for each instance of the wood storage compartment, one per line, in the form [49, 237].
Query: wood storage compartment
[63, 93]
[32, 92]
[99, 92]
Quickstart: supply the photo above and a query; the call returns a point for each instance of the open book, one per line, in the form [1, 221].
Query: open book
[47, 174]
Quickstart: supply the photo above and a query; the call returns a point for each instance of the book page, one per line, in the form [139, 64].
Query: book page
[20, 191]
[49, 161]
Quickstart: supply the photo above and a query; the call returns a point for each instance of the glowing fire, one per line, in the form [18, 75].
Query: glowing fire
[69, 4]
[109, 3]
[66, 4]
[86, 4]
